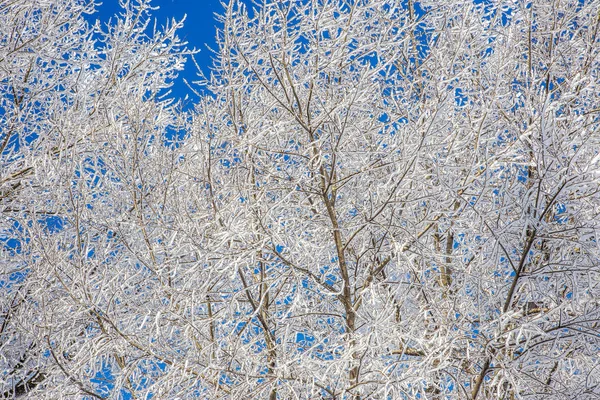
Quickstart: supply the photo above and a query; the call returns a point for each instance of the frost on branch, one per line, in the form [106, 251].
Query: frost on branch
[378, 199]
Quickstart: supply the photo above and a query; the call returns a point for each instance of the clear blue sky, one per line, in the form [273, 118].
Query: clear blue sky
[199, 29]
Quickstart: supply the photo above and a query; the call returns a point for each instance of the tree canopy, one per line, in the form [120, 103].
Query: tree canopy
[373, 199]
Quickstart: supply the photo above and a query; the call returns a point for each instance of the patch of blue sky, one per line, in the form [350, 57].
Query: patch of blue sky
[146, 373]
[11, 245]
[227, 379]
[13, 237]
[330, 279]
[459, 238]
[14, 278]
[560, 215]
[320, 353]
[460, 98]
[11, 142]
[52, 223]
[522, 173]
[304, 341]
[103, 381]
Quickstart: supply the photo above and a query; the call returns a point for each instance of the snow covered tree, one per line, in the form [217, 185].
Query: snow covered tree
[78, 103]
[405, 199]
[378, 199]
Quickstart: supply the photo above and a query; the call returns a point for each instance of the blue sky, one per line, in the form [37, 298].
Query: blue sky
[199, 29]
